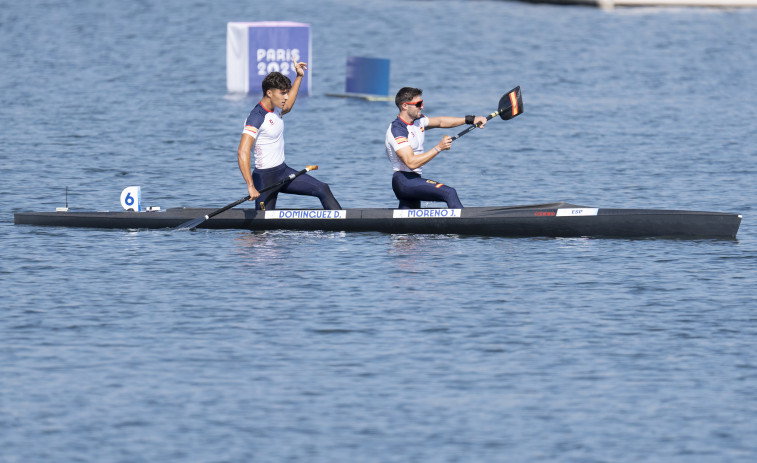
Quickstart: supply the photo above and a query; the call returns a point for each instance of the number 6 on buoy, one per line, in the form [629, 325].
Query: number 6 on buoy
[131, 198]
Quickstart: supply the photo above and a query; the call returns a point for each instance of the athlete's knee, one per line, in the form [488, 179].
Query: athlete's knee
[451, 198]
[328, 201]
[323, 191]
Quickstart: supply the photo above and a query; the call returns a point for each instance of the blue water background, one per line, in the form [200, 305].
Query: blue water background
[228, 346]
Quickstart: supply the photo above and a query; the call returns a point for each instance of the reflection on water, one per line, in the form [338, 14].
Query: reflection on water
[257, 248]
[412, 251]
[274, 246]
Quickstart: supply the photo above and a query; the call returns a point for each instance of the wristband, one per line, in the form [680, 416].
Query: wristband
[469, 119]
[437, 150]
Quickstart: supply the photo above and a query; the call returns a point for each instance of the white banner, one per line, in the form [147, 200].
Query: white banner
[426, 213]
[306, 214]
[577, 212]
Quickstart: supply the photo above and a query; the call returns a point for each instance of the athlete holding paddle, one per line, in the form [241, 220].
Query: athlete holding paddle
[404, 147]
[264, 135]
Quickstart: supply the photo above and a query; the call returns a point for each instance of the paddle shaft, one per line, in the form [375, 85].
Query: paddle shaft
[473, 126]
[195, 222]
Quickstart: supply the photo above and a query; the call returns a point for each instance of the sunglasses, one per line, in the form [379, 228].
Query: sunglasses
[417, 104]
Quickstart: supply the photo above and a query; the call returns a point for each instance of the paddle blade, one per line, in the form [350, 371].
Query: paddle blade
[511, 104]
[192, 223]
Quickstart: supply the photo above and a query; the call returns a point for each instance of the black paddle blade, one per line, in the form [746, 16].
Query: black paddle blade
[191, 224]
[511, 104]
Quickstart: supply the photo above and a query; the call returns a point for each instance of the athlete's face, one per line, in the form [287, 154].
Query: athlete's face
[278, 97]
[414, 107]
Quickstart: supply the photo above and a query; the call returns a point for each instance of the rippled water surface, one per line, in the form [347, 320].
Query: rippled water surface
[229, 346]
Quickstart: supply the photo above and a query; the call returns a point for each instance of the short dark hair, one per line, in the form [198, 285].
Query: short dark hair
[276, 80]
[406, 94]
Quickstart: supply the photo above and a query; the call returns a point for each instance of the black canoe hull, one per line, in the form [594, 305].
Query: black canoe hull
[543, 220]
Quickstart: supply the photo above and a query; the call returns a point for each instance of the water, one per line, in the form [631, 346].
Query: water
[227, 346]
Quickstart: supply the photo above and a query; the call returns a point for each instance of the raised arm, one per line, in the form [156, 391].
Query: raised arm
[300, 69]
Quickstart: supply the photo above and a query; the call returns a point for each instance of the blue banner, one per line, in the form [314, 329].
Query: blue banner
[367, 75]
[272, 48]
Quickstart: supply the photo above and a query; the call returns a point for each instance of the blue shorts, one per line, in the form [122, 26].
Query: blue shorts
[410, 188]
[303, 185]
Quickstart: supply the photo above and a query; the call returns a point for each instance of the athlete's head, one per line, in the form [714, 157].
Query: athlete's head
[276, 80]
[406, 95]
[276, 87]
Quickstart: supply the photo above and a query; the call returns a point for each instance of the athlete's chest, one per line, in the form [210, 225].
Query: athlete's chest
[272, 126]
[415, 136]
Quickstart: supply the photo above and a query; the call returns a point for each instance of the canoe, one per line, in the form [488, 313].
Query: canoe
[557, 219]
[610, 4]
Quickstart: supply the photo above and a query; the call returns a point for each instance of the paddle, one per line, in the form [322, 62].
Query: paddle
[510, 105]
[196, 222]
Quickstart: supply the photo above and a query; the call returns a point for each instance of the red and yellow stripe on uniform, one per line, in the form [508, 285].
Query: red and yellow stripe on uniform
[251, 130]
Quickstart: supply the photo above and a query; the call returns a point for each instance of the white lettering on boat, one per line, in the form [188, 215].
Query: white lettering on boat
[306, 214]
[426, 213]
[577, 212]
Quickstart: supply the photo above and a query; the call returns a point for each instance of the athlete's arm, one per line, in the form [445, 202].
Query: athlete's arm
[414, 161]
[447, 122]
[300, 68]
[243, 158]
